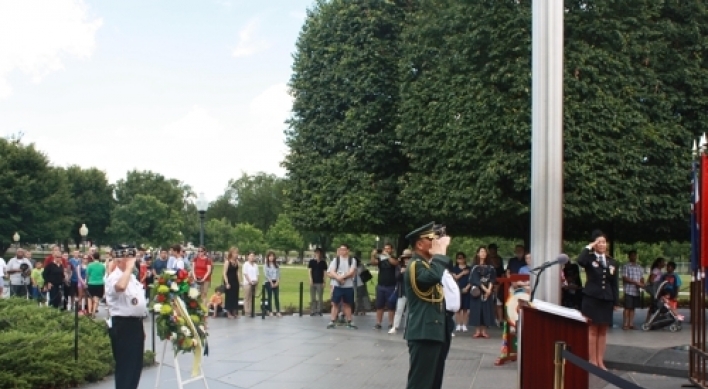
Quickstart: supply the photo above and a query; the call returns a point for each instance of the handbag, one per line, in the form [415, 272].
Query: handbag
[365, 276]
[475, 291]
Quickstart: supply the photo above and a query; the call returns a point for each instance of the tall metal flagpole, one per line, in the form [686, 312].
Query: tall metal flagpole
[547, 142]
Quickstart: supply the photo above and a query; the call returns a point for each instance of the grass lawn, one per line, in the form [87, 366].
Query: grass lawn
[290, 278]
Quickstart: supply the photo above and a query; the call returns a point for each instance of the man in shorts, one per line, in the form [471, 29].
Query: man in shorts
[342, 271]
[386, 286]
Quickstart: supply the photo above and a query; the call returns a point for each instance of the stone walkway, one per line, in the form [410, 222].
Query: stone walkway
[299, 352]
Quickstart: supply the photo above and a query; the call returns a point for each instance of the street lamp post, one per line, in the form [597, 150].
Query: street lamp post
[377, 243]
[83, 231]
[16, 238]
[202, 205]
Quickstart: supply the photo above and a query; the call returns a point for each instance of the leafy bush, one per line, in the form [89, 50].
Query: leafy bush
[37, 346]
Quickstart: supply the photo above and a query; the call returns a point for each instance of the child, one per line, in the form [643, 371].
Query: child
[673, 280]
[672, 287]
[665, 297]
[216, 302]
[37, 282]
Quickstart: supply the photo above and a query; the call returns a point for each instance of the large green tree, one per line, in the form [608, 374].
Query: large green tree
[171, 192]
[249, 238]
[254, 199]
[345, 159]
[466, 108]
[283, 235]
[459, 99]
[93, 201]
[145, 220]
[220, 235]
[35, 199]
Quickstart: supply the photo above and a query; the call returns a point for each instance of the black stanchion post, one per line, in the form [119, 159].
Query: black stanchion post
[302, 288]
[153, 334]
[263, 299]
[76, 330]
[253, 301]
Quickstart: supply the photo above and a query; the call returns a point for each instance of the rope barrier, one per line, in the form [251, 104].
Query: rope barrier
[596, 371]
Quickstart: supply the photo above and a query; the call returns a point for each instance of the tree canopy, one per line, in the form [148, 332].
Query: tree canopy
[145, 220]
[441, 93]
[345, 159]
[93, 201]
[35, 200]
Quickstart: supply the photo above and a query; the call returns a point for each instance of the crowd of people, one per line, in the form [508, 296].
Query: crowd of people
[69, 280]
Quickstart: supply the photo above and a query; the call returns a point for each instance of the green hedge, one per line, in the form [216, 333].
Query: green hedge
[37, 346]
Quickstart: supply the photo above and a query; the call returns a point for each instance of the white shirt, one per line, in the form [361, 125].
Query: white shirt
[130, 302]
[2, 267]
[16, 278]
[252, 271]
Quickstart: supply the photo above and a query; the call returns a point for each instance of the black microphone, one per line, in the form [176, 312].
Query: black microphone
[560, 260]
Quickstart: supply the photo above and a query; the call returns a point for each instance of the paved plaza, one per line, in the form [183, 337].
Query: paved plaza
[299, 352]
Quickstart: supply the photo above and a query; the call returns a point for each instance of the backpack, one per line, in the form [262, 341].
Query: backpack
[336, 267]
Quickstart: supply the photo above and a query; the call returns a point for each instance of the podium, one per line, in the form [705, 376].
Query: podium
[542, 325]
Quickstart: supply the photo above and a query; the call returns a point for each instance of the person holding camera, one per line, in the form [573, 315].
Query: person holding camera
[386, 286]
[19, 268]
[429, 327]
[127, 307]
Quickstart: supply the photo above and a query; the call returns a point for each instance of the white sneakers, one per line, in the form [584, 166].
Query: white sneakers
[461, 328]
[392, 331]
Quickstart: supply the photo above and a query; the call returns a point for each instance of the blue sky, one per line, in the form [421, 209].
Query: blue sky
[194, 90]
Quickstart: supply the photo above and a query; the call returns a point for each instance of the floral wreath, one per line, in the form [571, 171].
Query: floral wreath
[181, 316]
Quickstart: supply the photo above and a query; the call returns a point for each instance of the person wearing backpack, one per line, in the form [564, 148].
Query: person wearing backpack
[342, 271]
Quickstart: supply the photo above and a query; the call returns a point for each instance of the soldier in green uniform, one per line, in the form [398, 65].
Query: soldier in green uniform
[428, 331]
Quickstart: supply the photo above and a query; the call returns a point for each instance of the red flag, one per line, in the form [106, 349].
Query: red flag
[702, 205]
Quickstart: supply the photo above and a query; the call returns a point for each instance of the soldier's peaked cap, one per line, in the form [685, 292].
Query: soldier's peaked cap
[425, 231]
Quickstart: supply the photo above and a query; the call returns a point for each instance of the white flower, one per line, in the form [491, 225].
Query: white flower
[174, 287]
[193, 293]
[202, 328]
[186, 331]
[194, 342]
[170, 272]
[157, 307]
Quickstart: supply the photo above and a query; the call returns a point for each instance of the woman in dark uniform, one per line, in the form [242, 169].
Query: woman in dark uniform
[601, 294]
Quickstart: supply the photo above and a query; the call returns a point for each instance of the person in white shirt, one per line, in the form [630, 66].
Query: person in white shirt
[127, 308]
[19, 269]
[3, 265]
[250, 282]
[177, 260]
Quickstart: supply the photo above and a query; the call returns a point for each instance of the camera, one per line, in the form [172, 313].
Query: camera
[439, 230]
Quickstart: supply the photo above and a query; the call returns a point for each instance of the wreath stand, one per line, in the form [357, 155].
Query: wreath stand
[180, 382]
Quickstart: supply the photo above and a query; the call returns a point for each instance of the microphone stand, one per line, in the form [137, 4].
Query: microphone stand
[537, 274]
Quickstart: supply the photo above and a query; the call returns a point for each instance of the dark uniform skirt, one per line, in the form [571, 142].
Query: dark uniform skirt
[598, 311]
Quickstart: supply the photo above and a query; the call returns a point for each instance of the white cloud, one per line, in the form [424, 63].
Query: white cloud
[272, 106]
[35, 35]
[249, 42]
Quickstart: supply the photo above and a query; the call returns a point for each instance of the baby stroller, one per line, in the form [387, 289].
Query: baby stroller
[662, 315]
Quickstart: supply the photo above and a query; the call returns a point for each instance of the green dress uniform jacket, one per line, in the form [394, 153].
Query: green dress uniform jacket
[426, 320]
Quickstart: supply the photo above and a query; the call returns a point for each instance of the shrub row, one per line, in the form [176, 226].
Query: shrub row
[37, 346]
